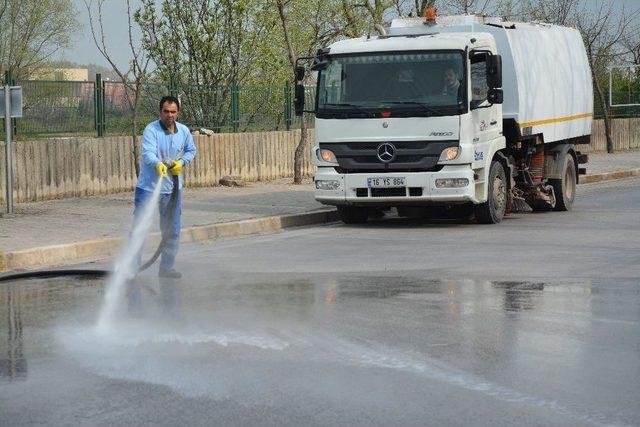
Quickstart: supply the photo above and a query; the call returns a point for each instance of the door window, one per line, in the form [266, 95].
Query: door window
[479, 87]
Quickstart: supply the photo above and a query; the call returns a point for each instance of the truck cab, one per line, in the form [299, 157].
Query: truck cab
[414, 118]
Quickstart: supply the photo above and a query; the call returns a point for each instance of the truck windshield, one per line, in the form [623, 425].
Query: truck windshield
[404, 84]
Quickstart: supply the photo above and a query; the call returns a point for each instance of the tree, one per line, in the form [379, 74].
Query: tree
[376, 9]
[32, 31]
[468, 6]
[206, 46]
[602, 32]
[559, 12]
[631, 43]
[133, 79]
[306, 26]
[363, 15]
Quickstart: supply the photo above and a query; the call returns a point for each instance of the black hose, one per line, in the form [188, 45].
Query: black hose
[44, 274]
[96, 274]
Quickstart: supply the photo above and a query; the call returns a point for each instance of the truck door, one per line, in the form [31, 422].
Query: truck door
[486, 120]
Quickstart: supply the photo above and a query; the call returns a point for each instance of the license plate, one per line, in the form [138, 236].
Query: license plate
[386, 182]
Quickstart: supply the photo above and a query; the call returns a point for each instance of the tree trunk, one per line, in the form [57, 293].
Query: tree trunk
[298, 157]
[298, 154]
[607, 116]
[134, 141]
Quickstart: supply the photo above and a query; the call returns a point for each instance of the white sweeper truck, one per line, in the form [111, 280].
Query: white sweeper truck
[460, 111]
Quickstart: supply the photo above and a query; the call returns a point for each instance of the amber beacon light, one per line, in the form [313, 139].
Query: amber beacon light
[430, 14]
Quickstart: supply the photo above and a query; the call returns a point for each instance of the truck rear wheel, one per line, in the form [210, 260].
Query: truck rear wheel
[353, 214]
[565, 188]
[492, 211]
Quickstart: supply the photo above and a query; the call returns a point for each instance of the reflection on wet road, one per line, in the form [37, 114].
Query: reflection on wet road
[347, 349]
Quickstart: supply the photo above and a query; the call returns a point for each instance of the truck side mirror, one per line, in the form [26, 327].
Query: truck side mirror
[300, 71]
[495, 96]
[299, 100]
[494, 71]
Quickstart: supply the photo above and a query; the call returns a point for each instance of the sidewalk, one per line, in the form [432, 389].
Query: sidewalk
[70, 220]
[27, 236]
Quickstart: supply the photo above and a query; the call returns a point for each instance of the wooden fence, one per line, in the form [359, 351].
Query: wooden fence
[75, 167]
[625, 133]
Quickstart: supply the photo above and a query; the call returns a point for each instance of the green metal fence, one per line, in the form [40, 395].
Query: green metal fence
[619, 112]
[103, 108]
[57, 107]
[117, 115]
[209, 106]
[236, 108]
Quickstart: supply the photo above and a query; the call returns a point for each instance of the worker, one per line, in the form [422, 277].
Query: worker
[167, 147]
[451, 83]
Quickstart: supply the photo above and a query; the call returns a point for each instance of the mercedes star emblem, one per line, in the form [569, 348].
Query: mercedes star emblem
[386, 152]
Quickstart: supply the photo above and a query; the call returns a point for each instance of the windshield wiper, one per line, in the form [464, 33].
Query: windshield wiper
[357, 107]
[437, 109]
[429, 108]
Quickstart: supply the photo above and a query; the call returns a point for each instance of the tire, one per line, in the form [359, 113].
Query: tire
[353, 214]
[492, 211]
[565, 188]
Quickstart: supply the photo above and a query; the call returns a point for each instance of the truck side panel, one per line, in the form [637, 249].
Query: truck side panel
[554, 88]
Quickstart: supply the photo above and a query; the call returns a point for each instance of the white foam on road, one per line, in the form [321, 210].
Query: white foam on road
[437, 370]
[242, 364]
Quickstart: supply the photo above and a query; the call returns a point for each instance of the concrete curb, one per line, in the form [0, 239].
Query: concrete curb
[93, 250]
[609, 176]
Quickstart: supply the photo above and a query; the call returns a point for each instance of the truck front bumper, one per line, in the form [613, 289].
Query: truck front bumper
[420, 188]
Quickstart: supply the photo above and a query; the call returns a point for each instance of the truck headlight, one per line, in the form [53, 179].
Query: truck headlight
[327, 184]
[449, 154]
[451, 182]
[325, 155]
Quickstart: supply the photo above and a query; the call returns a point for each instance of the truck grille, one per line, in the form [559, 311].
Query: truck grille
[389, 192]
[410, 156]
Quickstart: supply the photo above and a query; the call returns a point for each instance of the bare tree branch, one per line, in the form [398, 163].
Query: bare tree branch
[602, 32]
[4, 8]
[134, 78]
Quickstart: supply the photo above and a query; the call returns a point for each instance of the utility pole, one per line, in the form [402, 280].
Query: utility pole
[10, 108]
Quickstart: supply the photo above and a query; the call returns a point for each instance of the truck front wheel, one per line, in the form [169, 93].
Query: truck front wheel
[565, 188]
[492, 211]
[353, 214]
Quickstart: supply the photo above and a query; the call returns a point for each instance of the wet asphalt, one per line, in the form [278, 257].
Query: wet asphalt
[531, 322]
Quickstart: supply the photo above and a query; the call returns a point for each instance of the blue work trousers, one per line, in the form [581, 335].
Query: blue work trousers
[169, 225]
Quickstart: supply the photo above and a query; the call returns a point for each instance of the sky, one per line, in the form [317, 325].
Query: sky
[83, 50]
